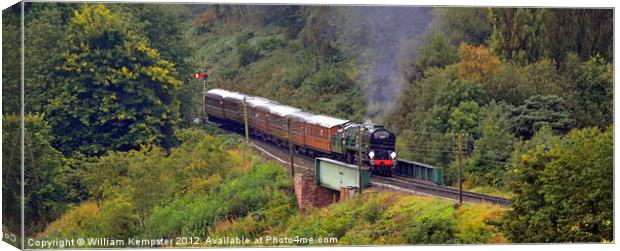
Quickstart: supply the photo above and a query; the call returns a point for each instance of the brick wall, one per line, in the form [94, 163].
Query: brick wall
[309, 194]
[325, 196]
[305, 190]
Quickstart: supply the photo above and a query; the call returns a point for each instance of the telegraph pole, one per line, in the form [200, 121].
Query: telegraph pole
[290, 149]
[245, 122]
[359, 158]
[460, 154]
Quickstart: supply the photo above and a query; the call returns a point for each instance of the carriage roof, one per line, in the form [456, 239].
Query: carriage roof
[326, 121]
[282, 110]
[302, 115]
[226, 94]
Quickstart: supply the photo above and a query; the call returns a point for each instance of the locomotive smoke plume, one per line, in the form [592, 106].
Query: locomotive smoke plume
[390, 34]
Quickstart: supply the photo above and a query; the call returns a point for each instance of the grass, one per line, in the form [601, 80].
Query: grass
[491, 191]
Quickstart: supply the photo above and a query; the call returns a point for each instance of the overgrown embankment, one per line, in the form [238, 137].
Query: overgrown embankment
[210, 186]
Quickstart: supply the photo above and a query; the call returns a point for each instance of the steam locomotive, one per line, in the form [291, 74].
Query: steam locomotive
[311, 135]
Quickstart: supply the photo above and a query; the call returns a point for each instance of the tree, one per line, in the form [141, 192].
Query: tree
[528, 35]
[437, 52]
[415, 119]
[477, 63]
[492, 151]
[321, 32]
[464, 117]
[44, 43]
[514, 84]
[463, 25]
[586, 32]
[563, 188]
[590, 91]
[291, 17]
[11, 60]
[116, 92]
[451, 96]
[517, 34]
[118, 218]
[537, 112]
[45, 192]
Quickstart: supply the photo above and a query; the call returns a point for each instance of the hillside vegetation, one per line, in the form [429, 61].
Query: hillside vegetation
[191, 197]
[108, 148]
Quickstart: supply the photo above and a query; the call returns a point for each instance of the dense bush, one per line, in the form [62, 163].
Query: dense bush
[386, 218]
[262, 192]
[563, 188]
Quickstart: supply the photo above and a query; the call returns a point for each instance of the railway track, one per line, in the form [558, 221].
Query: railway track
[398, 183]
[422, 187]
[304, 164]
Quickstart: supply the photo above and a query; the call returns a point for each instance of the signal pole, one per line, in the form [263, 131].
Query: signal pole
[204, 89]
[359, 158]
[290, 149]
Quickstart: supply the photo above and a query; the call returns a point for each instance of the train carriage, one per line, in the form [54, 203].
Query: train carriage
[319, 132]
[261, 114]
[254, 119]
[278, 121]
[213, 100]
[298, 125]
[233, 107]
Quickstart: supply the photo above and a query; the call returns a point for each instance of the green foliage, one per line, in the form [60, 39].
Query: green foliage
[464, 118]
[260, 192]
[11, 60]
[78, 221]
[590, 94]
[115, 218]
[392, 219]
[252, 203]
[321, 31]
[528, 35]
[291, 17]
[492, 151]
[514, 84]
[107, 78]
[11, 104]
[463, 25]
[417, 122]
[537, 112]
[437, 52]
[451, 96]
[517, 34]
[125, 188]
[435, 231]
[563, 188]
[166, 28]
[582, 31]
[259, 60]
[117, 93]
[45, 192]
[152, 176]
[479, 224]
[247, 53]
[44, 41]
[118, 219]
